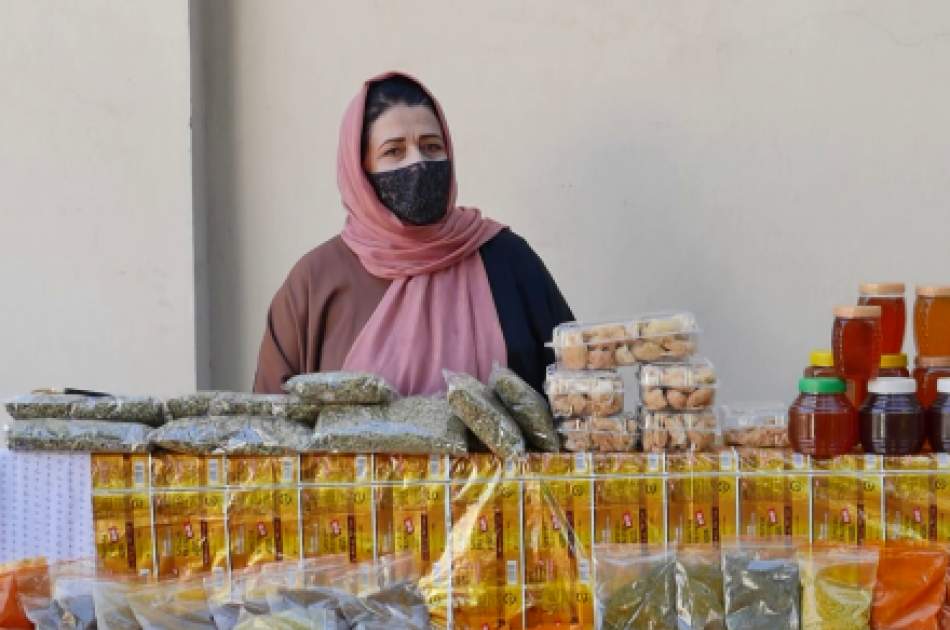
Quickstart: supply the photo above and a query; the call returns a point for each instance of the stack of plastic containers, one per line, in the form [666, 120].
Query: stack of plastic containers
[677, 390]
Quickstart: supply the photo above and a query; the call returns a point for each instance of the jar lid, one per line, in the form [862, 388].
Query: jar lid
[932, 362]
[892, 385]
[890, 289]
[821, 385]
[821, 358]
[894, 360]
[851, 312]
[933, 290]
[943, 385]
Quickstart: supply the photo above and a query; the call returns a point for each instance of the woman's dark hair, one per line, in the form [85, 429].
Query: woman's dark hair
[392, 91]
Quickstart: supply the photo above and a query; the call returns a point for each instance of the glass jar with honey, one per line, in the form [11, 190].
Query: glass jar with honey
[856, 345]
[892, 420]
[932, 321]
[890, 297]
[927, 371]
[820, 363]
[821, 421]
[938, 418]
[893, 365]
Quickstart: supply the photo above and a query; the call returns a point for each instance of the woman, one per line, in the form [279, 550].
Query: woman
[414, 283]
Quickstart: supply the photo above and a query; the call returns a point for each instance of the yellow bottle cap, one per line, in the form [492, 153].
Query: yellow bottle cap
[821, 358]
[894, 360]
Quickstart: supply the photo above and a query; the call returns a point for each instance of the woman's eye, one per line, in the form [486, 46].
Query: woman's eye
[391, 152]
[434, 148]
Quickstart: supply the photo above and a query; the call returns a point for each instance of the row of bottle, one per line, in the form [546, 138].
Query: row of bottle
[891, 421]
[931, 317]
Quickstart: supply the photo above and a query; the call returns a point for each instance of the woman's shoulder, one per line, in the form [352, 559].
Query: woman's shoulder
[509, 246]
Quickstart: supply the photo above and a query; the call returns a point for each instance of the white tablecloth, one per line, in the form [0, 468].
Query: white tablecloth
[45, 506]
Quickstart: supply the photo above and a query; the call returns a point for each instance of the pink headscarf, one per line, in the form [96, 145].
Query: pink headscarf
[439, 311]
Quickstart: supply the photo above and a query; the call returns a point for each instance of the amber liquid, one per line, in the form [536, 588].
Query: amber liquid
[927, 383]
[893, 372]
[938, 424]
[815, 371]
[822, 425]
[856, 343]
[893, 320]
[932, 326]
[857, 391]
[892, 425]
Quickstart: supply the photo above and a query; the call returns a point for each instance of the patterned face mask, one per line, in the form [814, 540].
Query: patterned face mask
[418, 194]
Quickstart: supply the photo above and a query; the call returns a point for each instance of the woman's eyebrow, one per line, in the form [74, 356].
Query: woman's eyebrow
[433, 134]
[396, 139]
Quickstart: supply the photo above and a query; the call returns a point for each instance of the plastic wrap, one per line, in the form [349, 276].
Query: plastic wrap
[635, 588]
[615, 434]
[688, 386]
[910, 589]
[755, 425]
[30, 406]
[527, 407]
[341, 388]
[481, 411]
[95, 436]
[181, 605]
[674, 431]
[192, 405]
[113, 611]
[279, 405]
[238, 601]
[144, 409]
[837, 587]
[652, 338]
[64, 599]
[231, 435]
[761, 587]
[26, 576]
[699, 598]
[579, 393]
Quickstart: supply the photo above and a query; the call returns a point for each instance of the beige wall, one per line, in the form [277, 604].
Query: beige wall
[749, 161]
[95, 196]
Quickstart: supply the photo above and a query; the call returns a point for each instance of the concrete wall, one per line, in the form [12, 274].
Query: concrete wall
[95, 196]
[749, 161]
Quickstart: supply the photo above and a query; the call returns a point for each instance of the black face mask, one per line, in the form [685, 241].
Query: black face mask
[418, 194]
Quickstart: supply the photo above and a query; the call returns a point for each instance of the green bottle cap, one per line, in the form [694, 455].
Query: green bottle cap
[821, 385]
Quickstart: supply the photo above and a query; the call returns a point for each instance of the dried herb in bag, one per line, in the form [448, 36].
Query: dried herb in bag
[279, 405]
[699, 599]
[760, 588]
[837, 587]
[144, 409]
[192, 405]
[413, 425]
[96, 436]
[180, 605]
[31, 406]
[113, 611]
[529, 409]
[341, 388]
[481, 411]
[635, 588]
[231, 435]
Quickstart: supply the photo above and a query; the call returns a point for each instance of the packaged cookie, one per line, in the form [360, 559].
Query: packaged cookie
[686, 386]
[678, 431]
[652, 338]
[614, 434]
[759, 425]
[579, 393]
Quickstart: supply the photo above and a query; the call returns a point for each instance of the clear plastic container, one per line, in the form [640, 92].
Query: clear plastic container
[821, 363]
[652, 338]
[821, 421]
[927, 372]
[890, 297]
[932, 321]
[938, 418]
[756, 425]
[892, 421]
[615, 434]
[579, 393]
[688, 386]
[677, 431]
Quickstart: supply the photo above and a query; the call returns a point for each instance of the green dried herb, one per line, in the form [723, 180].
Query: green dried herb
[341, 388]
[527, 407]
[699, 591]
[760, 593]
[97, 436]
[42, 405]
[145, 409]
[413, 425]
[481, 411]
[279, 405]
[647, 602]
[231, 435]
[191, 405]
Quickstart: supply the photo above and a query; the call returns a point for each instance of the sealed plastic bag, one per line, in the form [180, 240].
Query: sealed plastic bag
[64, 600]
[192, 405]
[30, 406]
[635, 587]
[244, 596]
[413, 425]
[837, 587]
[910, 588]
[699, 599]
[484, 415]
[231, 435]
[113, 611]
[761, 587]
[528, 408]
[95, 436]
[341, 388]
[25, 575]
[181, 605]
[144, 409]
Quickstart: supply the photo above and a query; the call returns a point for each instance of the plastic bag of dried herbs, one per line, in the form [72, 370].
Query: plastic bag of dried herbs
[529, 409]
[837, 587]
[634, 587]
[699, 600]
[341, 388]
[113, 611]
[144, 409]
[96, 436]
[172, 605]
[484, 415]
[192, 405]
[280, 405]
[65, 600]
[231, 435]
[30, 406]
[413, 425]
[760, 586]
